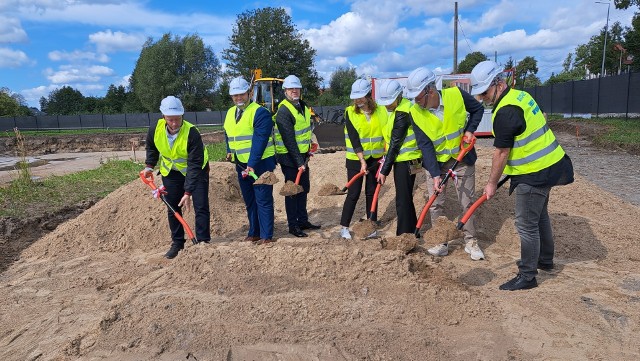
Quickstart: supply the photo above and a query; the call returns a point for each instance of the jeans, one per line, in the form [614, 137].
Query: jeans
[534, 227]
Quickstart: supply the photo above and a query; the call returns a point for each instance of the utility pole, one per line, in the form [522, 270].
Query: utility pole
[455, 39]
[606, 31]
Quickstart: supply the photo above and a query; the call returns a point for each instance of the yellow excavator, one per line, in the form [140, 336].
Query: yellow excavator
[268, 92]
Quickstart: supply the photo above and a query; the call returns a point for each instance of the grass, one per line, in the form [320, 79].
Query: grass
[23, 198]
[217, 151]
[608, 132]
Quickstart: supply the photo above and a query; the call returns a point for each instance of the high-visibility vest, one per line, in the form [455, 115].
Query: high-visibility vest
[174, 158]
[240, 134]
[536, 148]
[302, 129]
[445, 134]
[370, 132]
[409, 149]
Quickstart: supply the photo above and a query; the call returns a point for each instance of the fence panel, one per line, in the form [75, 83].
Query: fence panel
[45, 122]
[613, 94]
[633, 100]
[585, 96]
[562, 98]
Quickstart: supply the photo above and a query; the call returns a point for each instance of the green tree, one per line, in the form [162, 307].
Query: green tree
[632, 41]
[115, 100]
[528, 65]
[590, 55]
[63, 101]
[183, 67]
[12, 104]
[339, 87]
[625, 4]
[471, 60]
[267, 39]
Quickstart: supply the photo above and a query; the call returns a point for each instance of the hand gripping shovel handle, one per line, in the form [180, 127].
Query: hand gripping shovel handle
[374, 204]
[477, 204]
[150, 182]
[355, 178]
[463, 151]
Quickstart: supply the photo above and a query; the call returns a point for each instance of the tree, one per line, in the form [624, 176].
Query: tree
[339, 87]
[267, 39]
[115, 100]
[12, 104]
[183, 67]
[625, 4]
[632, 41]
[528, 65]
[63, 101]
[471, 60]
[590, 55]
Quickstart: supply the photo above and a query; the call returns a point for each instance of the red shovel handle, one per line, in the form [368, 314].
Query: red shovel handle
[374, 204]
[352, 180]
[300, 171]
[477, 204]
[424, 212]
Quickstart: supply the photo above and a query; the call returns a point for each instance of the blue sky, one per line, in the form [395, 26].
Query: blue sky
[90, 44]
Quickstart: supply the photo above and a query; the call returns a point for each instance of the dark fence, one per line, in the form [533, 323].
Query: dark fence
[330, 114]
[617, 95]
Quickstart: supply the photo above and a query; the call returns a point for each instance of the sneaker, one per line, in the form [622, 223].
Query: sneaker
[519, 283]
[174, 250]
[439, 250]
[474, 250]
[344, 233]
[373, 235]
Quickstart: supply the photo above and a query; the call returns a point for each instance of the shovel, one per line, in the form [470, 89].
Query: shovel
[477, 204]
[159, 193]
[374, 204]
[463, 151]
[264, 178]
[333, 190]
[291, 189]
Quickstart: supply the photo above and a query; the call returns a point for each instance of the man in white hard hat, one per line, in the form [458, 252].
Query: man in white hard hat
[365, 121]
[527, 151]
[440, 124]
[293, 142]
[248, 133]
[402, 153]
[183, 161]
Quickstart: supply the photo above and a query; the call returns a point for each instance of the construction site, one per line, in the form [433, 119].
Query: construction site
[97, 286]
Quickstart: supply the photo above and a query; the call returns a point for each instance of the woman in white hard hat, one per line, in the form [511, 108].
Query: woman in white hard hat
[402, 153]
[293, 143]
[364, 124]
[527, 150]
[184, 164]
[247, 129]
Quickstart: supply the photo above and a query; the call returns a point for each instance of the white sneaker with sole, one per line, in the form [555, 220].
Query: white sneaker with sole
[439, 250]
[474, 250]
[373, 235]
[344, 233]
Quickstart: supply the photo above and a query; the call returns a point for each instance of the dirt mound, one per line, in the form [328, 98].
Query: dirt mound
[98, 287]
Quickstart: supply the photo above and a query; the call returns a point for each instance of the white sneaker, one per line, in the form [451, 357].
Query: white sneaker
[373, 235]
[474, 250]
[344, 233]
[440, 250]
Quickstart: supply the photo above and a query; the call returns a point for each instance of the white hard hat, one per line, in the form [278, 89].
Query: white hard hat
[171, 106]
[483, 74]
[238, 86]
[418, 80]
[360, 88]
[291, 82]
[388, 92]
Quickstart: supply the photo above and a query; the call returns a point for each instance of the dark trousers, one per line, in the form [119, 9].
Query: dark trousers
[405, 208]
[296, 205]
[258, 200]
[353, 193]
[174, 183]
[534, 227]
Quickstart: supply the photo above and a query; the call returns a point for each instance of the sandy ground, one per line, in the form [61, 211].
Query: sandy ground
[98, 288]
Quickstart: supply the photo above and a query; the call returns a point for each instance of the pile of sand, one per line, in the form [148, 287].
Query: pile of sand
[98, 287]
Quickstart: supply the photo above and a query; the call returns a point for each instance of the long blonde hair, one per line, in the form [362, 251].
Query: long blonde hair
[370, 104]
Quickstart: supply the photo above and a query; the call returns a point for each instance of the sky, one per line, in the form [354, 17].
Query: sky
[90, 44]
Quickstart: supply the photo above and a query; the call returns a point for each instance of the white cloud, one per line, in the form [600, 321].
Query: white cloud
[124, 81]
[77, 74]
[10, 58]
[77, 55]
[11, 30]
[109, 41]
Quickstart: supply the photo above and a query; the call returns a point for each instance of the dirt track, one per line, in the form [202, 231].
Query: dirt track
[97, 287]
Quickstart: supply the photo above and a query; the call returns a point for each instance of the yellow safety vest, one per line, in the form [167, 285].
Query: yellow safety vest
[174, 158]
[370, 132]
[409, 149]
[536, 148]
[445, 134]
[302, 129]
[240, 134]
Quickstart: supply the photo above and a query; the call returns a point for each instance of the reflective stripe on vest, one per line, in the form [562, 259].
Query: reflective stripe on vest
[302, 129]
[240, 134]
[409, 149]
[370, 132]
[174, 158]
[536, 148]
[445, 134]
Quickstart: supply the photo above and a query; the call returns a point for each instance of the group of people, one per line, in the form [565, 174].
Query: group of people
[404, 129]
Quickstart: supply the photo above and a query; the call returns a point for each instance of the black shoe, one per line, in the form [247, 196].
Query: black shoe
[545, 267]
[173, 251]
[296, 231]
[519, 283]
[308, 225]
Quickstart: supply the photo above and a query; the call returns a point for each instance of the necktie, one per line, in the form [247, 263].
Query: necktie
[239, 115]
